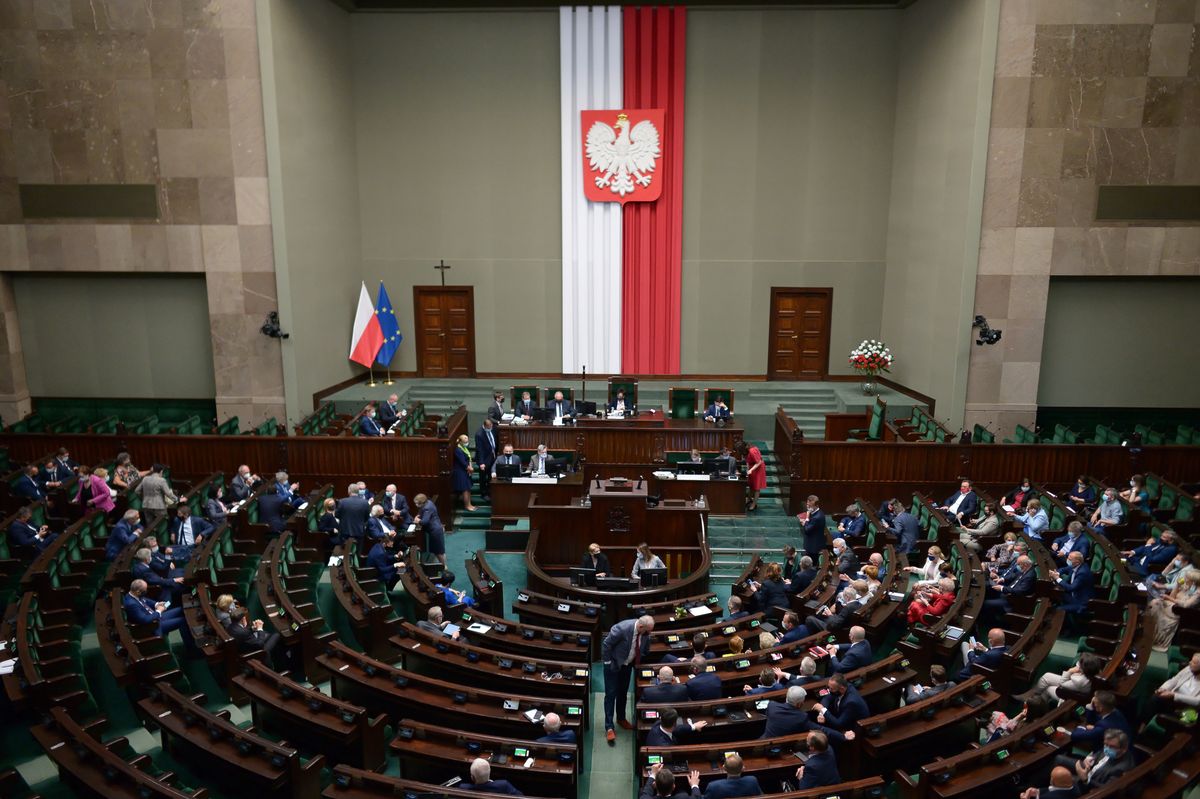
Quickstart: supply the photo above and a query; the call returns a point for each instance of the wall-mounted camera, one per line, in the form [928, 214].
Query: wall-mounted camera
[271, 327]
[986, 334]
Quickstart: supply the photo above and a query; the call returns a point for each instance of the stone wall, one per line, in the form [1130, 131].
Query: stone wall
[133, 92]
[1087, 93]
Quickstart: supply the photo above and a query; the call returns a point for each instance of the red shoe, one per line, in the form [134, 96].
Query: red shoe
[611, 735]
[625, 725]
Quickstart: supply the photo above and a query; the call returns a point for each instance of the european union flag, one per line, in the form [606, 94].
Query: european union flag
[390, 327]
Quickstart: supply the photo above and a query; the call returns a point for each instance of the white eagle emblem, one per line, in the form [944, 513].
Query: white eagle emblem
[625, 157]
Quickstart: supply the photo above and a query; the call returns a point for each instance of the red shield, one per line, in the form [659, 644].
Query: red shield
[622, 155]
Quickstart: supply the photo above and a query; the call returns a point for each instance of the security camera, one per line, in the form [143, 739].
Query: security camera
[986, 334]
[271, 327]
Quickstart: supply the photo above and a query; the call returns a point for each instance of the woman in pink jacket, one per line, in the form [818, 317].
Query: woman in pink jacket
[93, 490]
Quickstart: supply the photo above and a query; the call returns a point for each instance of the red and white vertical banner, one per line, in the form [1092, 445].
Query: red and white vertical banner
[622, 187]
[590, 57]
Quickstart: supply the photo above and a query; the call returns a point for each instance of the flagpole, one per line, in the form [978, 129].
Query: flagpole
[389, 380]
[371, 382]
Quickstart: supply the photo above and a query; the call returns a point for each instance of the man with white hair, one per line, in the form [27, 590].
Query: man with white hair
[481, 780]
[555, 734]
[243, 485]
[668, 690]
[828, 620]
[790, 718]
[626, 645]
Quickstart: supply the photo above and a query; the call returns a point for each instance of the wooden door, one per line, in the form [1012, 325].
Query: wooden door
[445, 330]
[799, 339]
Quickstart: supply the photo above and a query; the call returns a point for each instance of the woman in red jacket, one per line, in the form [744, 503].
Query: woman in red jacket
[756, 473]
[933, 602]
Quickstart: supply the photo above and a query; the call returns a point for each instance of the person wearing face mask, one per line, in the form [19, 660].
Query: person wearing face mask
[1110, 513]
[1152, 556]
[1017, 498]
[962, 506]
[367, 426]
[1136, 496]
[847, 561]
[1034, 519]
[460, 475]
[1110, 761]
[853, 524]
[1185, 594]
[927, 573]
[378, 526]
[1082, 495]
[1072, 541]
[1078, 585]
[1158, 584]
[395, 505]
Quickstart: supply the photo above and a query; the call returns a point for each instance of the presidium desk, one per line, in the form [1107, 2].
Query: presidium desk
[632, 447]
[615, 516]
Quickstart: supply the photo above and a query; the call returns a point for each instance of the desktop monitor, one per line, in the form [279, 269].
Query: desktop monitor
[585, 408]
[717, 468]
[581, 576]
[508, 471]
[691, 467]
[650, 578]
[543, 415]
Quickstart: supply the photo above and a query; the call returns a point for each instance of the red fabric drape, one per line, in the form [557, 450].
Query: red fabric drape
[655, 62]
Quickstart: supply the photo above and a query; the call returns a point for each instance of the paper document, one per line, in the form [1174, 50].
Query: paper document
[693, 477]
[700, 610]
[7, 666]
[482, 629]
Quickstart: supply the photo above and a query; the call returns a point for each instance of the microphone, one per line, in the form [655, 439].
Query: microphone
[641, 479]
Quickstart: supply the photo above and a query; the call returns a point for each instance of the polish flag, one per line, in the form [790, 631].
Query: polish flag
[367, 337]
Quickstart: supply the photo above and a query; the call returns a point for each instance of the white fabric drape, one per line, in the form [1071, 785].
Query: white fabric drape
[591, 70]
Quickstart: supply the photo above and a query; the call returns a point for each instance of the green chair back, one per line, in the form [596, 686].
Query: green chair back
[712, 394]
[627, 384]
[683, 403]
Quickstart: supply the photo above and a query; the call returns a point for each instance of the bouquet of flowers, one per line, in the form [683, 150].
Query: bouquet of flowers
[871, 357]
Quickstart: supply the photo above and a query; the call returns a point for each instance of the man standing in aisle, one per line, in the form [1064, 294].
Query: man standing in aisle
[626, 645]
[485, 456]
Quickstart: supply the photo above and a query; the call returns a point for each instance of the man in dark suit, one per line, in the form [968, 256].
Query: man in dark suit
[626, 645]
[187, 532]
[560, 408]
[1071, 541]
[718, 410]
[383, 559]
[667, 690]
[856, 656]
[378, 525]
[142, 569]
[30, 485]
[367, 426]
[962, 506]
[1062, 786]
[506, 458]
[808, 673]
[821, 768]
[937, 684]
[243, 485]
[485, 456]
[670, 730]
[395, 506]
[704, 684]
[734, 784]
[988, 656]
[813, 523]
[389, 412]
[124, 533]
[251, 636]
[61, 469]
[789, 718]
[1102, 715]
[766, 682]
[495, 411]
[660, 784]
[905, 527]
[555, 734]
[827, 619]
[854, 524]
[1018, 582]
[1153, 556]
[620, 404]
[734, 608]
[1103, 765]
[847, 561]
[482, 782]
[353, 511]
[288, 490]
[793, 630]
[803, 578]
[273, 510]
[1077, 583]
[140, 610]
[23, 533]
[843, 706]
[524, 407]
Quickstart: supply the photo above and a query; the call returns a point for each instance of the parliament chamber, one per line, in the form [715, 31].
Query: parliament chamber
[789, 399]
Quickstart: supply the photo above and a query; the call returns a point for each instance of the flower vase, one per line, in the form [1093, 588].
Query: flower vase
[869, 387]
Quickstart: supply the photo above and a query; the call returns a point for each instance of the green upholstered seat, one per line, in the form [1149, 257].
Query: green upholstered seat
[683, 403]
[711, 395]
[535, 394]
[627, 384]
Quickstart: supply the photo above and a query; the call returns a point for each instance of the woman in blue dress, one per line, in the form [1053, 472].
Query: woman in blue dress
[460, 477]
